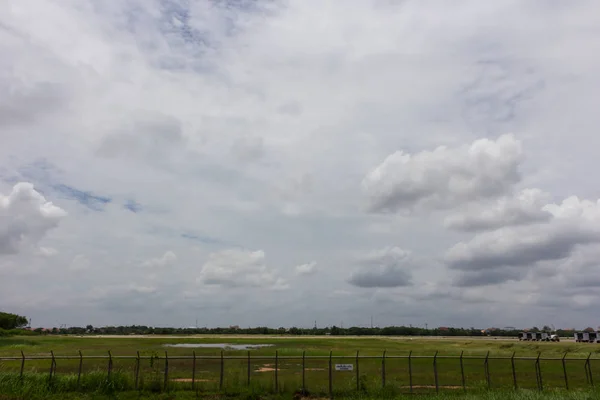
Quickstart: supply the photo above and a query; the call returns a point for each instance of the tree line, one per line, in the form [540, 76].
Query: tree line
[333, 331]
[9, 323]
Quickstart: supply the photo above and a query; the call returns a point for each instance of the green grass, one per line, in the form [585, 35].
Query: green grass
[95, 382]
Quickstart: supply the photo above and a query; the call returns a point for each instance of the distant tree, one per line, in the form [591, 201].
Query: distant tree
[546, 328]
[12, 321]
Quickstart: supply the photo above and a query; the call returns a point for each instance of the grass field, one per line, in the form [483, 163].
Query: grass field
[266, 380]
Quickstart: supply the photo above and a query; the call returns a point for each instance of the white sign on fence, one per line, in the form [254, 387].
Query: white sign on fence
[344, 367]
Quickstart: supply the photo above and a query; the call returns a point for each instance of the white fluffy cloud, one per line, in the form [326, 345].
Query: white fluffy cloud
[306, 269]
[240, 268]
[25, 217]
[167, 259]
[387, 267]
[444, 177]
[523, 209]
[79, 263]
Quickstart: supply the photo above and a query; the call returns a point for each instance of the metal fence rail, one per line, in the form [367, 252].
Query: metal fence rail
[277, 359]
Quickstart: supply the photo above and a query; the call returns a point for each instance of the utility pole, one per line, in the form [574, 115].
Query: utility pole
[371, 322]
[425, 325]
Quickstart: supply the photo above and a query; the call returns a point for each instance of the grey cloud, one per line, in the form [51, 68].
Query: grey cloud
[148, 137]
[23, 105]
[489, 277]
[444, 177]
[248, 148]
[574, 223]
[499, 90]
[523, 209]
[507, 247]
[385, 268]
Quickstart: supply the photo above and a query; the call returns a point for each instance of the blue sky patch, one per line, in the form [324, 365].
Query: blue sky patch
[133, 206]
[87, 199]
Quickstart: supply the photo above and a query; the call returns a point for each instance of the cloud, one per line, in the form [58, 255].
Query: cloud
[248, 148]
[167, 259]
[497, 256]
[306, 269]
[522, 209]
[80, 263]
[240, 268]
[26, 218]
[444, 177]
[148, 136]
[233, 126]
[47, 251]
[384, 268]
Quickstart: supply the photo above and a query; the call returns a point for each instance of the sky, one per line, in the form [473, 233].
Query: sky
[281, 162]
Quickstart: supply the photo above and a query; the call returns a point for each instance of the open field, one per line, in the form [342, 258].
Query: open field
[257, 370]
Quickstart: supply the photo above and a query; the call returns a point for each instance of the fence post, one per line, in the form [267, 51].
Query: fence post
[462, 372]
[137, 370]
[166, 383]
[435, 372]
[22, 365]
[248, 367]
[538, 372]
[589, 368]
[330, 376]
[276, 368]
[357, 374]
[410, 383]
[221, 372]
[486, 367]
[585, 367]
[564, 365]
[80, 368]
[514, 371]
[110, 364]
[193, 369]
[52, 366]
[383, 369]
[304, 372]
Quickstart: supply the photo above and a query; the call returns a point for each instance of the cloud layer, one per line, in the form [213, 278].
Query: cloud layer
[172, 160]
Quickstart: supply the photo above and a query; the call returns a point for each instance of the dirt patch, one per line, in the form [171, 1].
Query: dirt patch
[314, 369]
[189, 380]
[432, 387]
[265, 369]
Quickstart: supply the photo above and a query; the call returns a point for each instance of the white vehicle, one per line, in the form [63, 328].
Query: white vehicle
[578, 336]
[544, 337]
[586, 337]
[593, 337]
[554, 338]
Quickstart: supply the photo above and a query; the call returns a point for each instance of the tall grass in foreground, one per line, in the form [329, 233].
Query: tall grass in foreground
[97, 385]
[35, 384]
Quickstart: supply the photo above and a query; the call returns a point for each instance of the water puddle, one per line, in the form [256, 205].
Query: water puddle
[225, 346]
